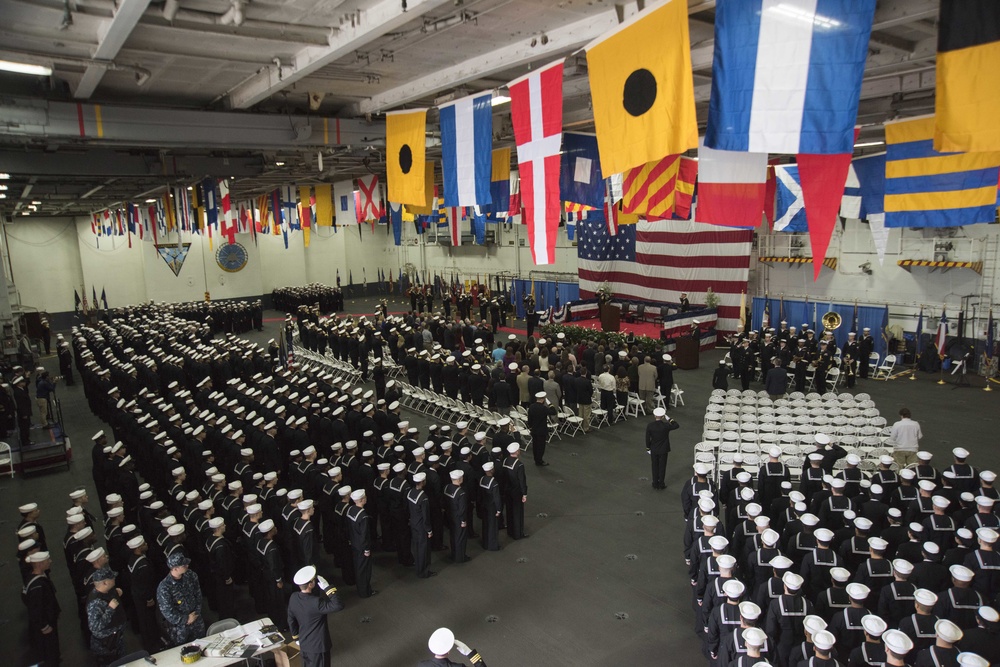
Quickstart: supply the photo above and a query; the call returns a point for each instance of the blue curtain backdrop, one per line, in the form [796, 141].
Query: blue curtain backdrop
[798, 313]
[545, 294]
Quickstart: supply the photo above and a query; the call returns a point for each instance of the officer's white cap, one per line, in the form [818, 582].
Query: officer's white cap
[441, 641]
[304, 576]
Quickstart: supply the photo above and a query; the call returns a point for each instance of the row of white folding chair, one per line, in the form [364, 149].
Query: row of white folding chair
[332, 364]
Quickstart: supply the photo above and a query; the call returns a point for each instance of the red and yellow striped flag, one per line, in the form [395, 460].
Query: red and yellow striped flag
[687, 174]
[573, 207]
[649, 189]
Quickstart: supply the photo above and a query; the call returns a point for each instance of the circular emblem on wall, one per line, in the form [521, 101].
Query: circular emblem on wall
[231, 257]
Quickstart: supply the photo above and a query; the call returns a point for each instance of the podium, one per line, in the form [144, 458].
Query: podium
[610, 317]
[687, 352]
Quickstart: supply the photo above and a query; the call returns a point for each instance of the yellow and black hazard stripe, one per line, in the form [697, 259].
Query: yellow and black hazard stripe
[829, 262]
[907, 263]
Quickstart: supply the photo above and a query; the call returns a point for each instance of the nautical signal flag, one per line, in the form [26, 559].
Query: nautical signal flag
[731, 187]
[687, 175]
[536, 102]
[642, 89]
[369, 198]
[786, 76]
[790, 207]
[823, 178]
[429, 193]
[466, 146]
[649, 189]
[580, 178]
[925, 188]
[968, 76]
[405, 134]
[499, 184]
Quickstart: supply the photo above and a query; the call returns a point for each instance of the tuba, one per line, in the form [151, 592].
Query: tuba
[832, 320]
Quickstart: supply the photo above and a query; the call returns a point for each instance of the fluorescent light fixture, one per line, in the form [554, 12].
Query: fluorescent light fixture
[799, 14]
[498, 100]
[150, 201]
[36, 203]
[25, 68]
[190, 187]
[3, 188]
[869, 143]
[3, 195]
[4, 176]
[279, 164]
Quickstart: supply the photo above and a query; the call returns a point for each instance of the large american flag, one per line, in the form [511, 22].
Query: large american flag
[657, 261]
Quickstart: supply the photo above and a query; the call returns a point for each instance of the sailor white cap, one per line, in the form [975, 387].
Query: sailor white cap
[897, 642]
[823, 640]
[840, 574]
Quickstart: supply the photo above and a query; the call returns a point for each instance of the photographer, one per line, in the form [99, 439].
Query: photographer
[307, 611]
[45, 387]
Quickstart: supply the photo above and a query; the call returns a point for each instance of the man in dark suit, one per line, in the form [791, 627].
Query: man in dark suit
[307, 612]
[658, 444]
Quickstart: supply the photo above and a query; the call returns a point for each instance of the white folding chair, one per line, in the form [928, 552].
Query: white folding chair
[634, 405]
[676, 396]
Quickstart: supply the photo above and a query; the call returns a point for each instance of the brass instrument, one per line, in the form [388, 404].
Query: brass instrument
[831, 321]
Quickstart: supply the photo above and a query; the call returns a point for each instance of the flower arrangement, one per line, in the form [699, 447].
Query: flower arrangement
[711, 299]
[575, 334]
[604, 293]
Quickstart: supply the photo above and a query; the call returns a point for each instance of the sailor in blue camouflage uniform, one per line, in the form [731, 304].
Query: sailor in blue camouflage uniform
[106, 618]
[179, 599]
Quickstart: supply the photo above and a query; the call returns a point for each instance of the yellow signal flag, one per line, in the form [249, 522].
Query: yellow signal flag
[324, 205]
[428, 208]
[405, 139]
[643, 90]
[501, 165]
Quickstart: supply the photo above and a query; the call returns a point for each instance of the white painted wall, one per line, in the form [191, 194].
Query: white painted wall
[45, 262]
[52, 256]
[904, 291]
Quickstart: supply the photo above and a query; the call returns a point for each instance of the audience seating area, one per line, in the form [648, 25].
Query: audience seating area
[750, 423]
[443, 408]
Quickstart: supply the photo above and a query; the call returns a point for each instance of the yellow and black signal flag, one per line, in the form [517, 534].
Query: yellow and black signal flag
[405, 140]
[642, 89]
[428, 208]
[968, 77]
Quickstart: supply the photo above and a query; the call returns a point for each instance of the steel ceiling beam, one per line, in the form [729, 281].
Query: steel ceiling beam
[364, 28]
[111, 37]
[159, 127]
[578, 34]
[549, 44]
[102, 163]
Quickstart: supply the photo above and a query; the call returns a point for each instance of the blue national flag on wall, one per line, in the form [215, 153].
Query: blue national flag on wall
[580, 179]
